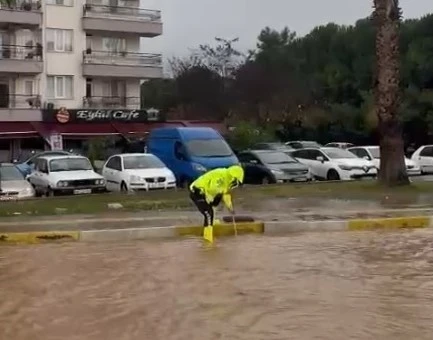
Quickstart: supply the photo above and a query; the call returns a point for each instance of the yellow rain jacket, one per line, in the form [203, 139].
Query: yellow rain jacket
[219, 182]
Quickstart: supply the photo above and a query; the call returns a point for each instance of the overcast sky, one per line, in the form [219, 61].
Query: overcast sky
[188, 23]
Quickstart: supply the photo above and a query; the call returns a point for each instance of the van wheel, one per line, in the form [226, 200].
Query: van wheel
[184, 183]
[333, 175]
[123, 187]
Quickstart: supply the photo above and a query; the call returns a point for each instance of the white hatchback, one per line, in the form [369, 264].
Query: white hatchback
[335, 164]
[137, 171]
[423, 157]
[372, 153]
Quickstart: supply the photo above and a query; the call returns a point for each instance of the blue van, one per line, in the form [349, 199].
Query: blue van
[190, 151]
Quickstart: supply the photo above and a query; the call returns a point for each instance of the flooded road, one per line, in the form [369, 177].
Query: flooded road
[362, 285]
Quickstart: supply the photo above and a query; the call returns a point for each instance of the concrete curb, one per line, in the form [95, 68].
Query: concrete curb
[222, 230]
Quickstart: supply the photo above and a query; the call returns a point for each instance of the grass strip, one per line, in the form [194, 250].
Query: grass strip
[179, 199]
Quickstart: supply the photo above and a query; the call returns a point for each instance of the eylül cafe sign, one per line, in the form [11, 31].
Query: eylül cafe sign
[64, 116]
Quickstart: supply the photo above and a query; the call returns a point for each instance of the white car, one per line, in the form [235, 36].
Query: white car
[423, 157]
[335, 164]
[372, 153]
[341, 145]
[13, 185]
[137, 171]
[65, 175]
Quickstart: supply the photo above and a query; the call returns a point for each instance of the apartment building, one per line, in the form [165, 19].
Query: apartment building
[72, 68]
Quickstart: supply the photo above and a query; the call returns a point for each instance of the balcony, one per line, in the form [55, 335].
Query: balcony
[21, 59]
[120, 19]
[112, 102]
[23, 13]
[122, 64]
[20, 107]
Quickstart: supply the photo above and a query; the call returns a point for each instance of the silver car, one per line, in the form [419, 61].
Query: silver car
[13, 185]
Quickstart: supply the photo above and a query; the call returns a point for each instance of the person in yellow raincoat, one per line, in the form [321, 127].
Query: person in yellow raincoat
[209, 189]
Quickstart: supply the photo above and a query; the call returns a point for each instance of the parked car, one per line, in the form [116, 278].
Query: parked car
[137, 171]
[268, 166]
[26, 167]
[423, 157]
[66, 174]
[372, 153]
[271, 146]
[341, 145]
[190, 151]
[335, 164]
[13, 185]
[302, 144]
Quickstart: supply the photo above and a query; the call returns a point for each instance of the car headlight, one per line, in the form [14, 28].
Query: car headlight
[277, 172]
[135, 178]
[345, 167]
[100, 182]
[62, 184]
[199, 168]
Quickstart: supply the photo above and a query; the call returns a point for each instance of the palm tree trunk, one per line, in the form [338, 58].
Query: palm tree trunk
[386, 17]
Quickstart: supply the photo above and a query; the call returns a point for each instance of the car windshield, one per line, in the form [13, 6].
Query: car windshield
[339, 153]
[276, 158]
[142, 162]
[70, 164]
[10, 173]
[375, 152]
[311, 145]
[30, 159]
[209, 148]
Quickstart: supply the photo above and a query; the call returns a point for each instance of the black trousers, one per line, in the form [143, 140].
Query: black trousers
[204, 207]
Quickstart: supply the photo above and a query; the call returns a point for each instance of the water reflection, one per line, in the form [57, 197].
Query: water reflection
[305, 286]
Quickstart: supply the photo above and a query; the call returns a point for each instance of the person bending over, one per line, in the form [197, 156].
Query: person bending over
[209, 189]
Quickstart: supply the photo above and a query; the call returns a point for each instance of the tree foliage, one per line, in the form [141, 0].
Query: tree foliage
[318, 86]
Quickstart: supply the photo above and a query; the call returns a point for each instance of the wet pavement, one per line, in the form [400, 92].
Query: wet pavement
[360, 285]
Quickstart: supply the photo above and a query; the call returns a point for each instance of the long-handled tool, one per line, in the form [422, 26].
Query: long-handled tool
[234, 224]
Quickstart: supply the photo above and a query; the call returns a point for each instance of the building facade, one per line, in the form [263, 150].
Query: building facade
[72, 56]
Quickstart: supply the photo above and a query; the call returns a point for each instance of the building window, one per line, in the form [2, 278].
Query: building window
[114, 46]
[59, 40]
[28, 87]
[60, 87]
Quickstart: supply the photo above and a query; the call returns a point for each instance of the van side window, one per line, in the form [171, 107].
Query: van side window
[179, 151]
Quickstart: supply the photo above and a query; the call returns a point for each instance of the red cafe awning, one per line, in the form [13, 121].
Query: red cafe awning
[129, 129]
[17, 130]
[76, 129]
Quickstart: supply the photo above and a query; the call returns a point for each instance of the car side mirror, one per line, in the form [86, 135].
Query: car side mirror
[253, 161]
[367, 158]
[320, 159]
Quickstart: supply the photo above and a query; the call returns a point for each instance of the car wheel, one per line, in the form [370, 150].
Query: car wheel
[333, 175]
[266, 180]
[37, 191]
[49, 192]
[123, 187]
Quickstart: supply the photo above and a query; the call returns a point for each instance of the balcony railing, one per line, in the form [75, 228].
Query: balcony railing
[21, 5]
[111, 102]
[128, 13]
[20, 101]
[122, 58]
[18, 52]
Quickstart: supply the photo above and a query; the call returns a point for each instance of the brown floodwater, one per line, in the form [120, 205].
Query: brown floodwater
[362, 285]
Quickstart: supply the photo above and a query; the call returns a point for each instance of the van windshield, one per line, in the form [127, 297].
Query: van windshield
[209, 148]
